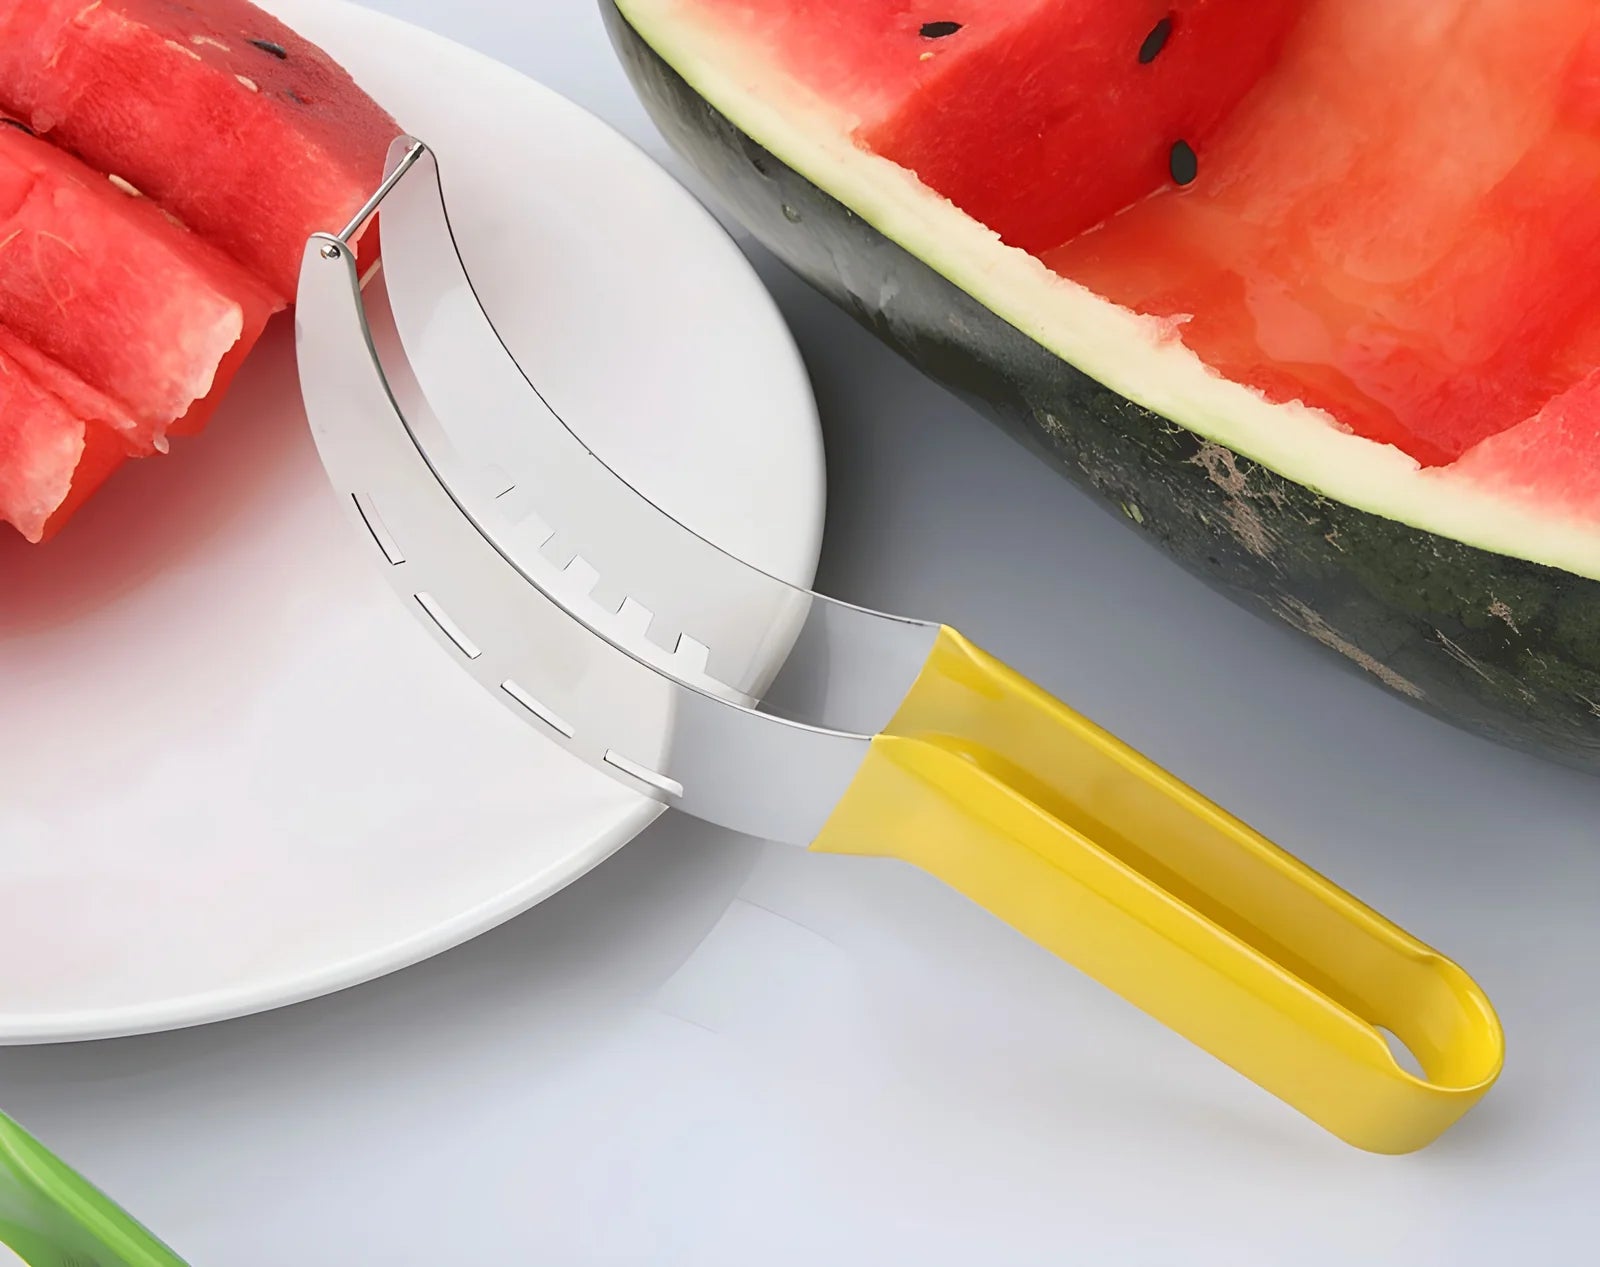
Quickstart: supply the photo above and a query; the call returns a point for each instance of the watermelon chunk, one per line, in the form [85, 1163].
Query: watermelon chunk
[98, 281]
[247, 132]
[1036, 117]
[154, 205]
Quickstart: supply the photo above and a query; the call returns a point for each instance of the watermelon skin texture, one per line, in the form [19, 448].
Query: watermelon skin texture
[1499, 646]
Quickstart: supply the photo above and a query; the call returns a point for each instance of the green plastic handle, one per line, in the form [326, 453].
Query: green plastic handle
[51, 1216]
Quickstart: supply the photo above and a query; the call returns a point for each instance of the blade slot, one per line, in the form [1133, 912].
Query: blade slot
[644, 774]
[379, 530]
[549, 718]
[448, 627]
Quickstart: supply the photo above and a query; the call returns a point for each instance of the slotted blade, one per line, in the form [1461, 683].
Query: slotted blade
[593, 613]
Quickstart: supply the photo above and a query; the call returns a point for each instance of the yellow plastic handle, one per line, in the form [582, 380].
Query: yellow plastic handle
[1099, 855]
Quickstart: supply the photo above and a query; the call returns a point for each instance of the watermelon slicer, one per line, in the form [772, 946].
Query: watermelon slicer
[624, 637]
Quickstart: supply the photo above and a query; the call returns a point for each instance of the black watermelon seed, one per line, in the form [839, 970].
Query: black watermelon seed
[19, 125]
[1155, 41]
[938, 30]
[277, 50]
[1185, 166]
[294, 95]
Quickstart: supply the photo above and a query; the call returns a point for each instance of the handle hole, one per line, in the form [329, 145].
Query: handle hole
[1403, 1055]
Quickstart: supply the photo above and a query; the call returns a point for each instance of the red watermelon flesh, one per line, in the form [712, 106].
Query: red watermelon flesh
[49, 479]
[247, 132]
[101, 283]
[1401, 226]
[104, 449]
[1552, 460]
[106, 424]
[91, 406]
[41, 443]
[1036, 117]
[103, 454]
[1386, 209]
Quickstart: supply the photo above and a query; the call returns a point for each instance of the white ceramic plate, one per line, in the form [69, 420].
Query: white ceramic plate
[234, 773]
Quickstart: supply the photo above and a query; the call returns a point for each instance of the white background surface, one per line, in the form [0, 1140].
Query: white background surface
[713, 1052]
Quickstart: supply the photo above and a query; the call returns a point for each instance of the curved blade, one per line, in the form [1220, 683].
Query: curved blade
[548, 576]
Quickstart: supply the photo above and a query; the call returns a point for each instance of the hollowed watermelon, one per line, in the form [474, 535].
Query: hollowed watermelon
[1306, 290]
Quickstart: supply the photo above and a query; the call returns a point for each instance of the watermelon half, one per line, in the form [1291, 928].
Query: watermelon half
[1305, 289]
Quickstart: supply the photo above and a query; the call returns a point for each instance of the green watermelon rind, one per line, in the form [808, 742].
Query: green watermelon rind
[1500, 645]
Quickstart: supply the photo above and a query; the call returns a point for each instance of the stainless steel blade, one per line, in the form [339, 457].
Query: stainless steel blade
[465, 481]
